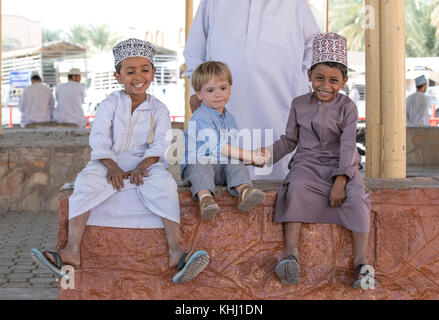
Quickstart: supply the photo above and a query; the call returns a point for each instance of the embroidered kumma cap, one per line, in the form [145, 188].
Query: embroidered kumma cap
[329, 47]
[133, 48]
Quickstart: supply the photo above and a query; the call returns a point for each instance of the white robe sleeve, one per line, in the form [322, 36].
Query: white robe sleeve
[162, 124]
[101, 134]
[196, 47]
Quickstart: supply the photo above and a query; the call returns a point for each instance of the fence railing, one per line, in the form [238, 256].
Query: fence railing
[434, 121]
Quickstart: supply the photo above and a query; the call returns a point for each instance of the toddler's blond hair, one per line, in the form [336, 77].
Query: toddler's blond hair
[205, 71]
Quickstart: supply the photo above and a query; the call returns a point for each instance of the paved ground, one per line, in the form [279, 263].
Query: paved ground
[20, 276]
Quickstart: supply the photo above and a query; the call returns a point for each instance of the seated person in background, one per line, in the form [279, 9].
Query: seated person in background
[69, 100]
[208, 163]
[36, 104]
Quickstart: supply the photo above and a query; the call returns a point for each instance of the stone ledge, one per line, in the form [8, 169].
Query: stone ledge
[245, 248]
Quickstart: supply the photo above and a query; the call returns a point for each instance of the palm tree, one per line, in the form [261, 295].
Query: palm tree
[101, 37]
[51, 35]
[422, 40]
[78, 35]
[435, 15]
[346, 17]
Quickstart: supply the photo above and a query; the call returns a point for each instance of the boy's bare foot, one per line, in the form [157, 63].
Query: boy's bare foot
[174, 257]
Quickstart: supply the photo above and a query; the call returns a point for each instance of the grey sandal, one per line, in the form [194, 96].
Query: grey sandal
[288, 270]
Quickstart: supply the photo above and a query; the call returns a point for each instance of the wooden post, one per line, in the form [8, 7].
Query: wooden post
[327, 15]
[373, 90]
[393, 109]
[189, 19]
[385, 89]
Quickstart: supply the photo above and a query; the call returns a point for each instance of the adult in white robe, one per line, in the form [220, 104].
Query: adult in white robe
[418, 105]
[268, 46]
[36, 104]
[127, 139]
[69, 100]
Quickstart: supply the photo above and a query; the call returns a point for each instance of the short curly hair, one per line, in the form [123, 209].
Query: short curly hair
[343, 69]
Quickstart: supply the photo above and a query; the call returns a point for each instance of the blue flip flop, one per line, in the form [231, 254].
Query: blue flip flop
[190, 269]
[55, 267]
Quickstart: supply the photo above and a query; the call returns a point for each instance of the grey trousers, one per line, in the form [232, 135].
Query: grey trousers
[207, 176]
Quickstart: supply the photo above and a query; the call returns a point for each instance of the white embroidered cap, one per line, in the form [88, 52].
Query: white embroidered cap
[133, 48]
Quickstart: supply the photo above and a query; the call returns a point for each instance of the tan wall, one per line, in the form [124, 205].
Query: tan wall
[422, 146]
[36, 163]
[27, 32]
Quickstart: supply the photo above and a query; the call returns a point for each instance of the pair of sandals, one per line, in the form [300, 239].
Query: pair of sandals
[187, 270]
[288, 271]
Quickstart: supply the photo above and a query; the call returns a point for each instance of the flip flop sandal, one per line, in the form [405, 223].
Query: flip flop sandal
[54, 267]
[364, 279]
[250, 198]
[190, 269]
[288, 270]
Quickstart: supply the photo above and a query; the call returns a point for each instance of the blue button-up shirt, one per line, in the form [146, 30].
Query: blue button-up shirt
[207, 133]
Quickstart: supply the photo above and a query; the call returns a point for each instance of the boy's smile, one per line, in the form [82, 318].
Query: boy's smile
[326, 82]
[136, 75]
[215, 93]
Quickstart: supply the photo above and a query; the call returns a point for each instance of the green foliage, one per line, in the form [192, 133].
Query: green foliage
[101, 37]
[52, 35]
[78, 34]
[346, 17]
[95, 38]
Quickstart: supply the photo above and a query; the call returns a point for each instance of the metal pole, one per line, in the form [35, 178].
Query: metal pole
[327, 15]
[373, 91]
[393, 109]
[189, 19]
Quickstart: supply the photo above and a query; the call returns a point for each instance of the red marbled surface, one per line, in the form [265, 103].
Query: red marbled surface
[245, 248]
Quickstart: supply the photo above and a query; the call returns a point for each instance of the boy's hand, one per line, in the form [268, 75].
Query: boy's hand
[338, 191]
[137, 174]
[115, 177]
[141, 170]
[194, 102]
[260, 157]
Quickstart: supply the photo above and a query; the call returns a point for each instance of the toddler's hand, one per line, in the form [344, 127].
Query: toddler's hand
[258, 160]
[263, 152]
[260, 157]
